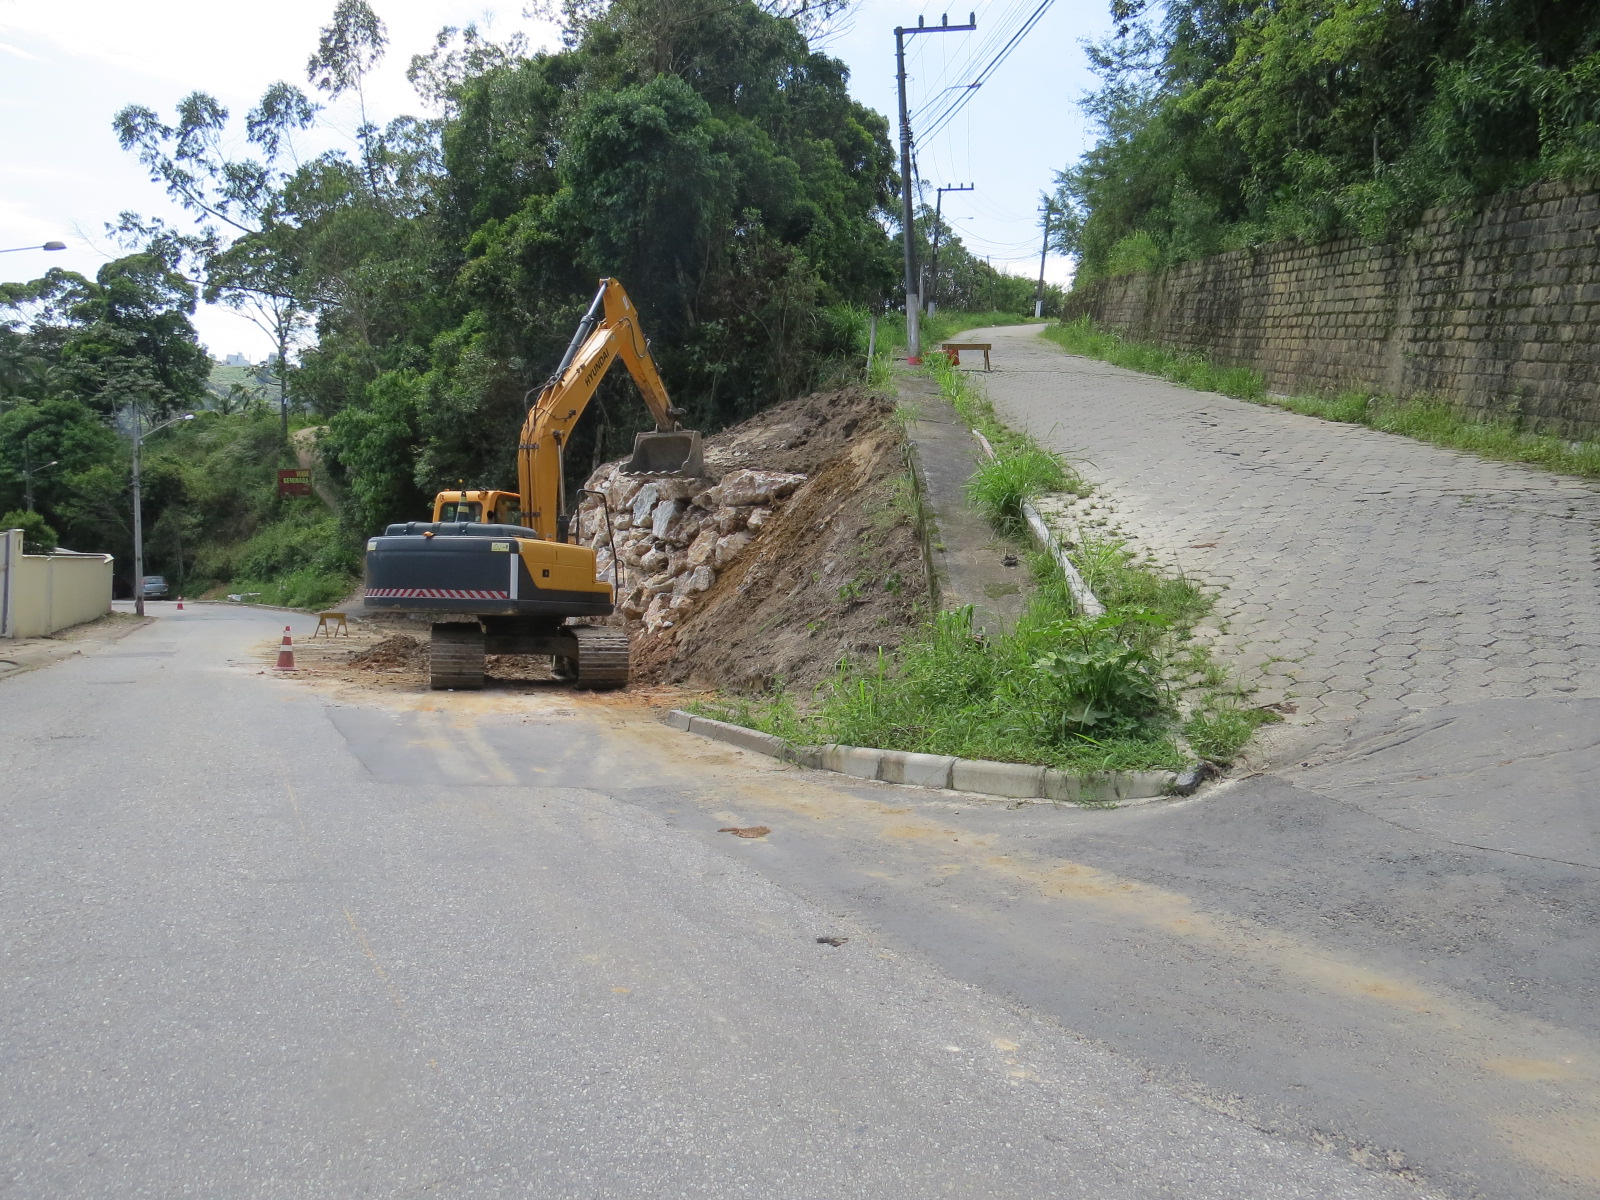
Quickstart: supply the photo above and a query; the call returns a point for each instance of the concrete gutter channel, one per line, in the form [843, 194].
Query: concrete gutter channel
[1011, 781]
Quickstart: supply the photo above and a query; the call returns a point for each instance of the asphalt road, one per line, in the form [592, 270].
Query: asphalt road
[271, 939]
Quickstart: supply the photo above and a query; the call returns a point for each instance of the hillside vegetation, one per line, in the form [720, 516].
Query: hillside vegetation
[422, 280]
[1230, 124]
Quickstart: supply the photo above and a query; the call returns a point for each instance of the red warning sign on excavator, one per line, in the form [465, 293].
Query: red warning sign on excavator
[294, 481]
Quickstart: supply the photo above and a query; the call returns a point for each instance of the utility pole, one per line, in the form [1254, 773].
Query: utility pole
[138, 519]
[938, 214]
[907, 213]
[1038, 296]
[138, 510]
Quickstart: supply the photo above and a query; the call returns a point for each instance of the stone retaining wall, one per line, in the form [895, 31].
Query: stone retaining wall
[1494, 312]
[674, 534]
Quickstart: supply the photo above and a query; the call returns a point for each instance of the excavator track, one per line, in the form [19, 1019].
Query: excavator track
[602, 662]
[455, 657]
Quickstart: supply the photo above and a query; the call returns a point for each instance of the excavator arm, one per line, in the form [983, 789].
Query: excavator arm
[609, 331]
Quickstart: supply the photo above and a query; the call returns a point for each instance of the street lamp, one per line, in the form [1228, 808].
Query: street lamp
[46, 246]
[28, 473]
[138, 516]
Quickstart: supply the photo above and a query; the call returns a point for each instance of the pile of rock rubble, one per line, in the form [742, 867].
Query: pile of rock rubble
[673, 535]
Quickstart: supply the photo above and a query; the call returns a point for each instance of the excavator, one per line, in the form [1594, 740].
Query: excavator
[496, 569]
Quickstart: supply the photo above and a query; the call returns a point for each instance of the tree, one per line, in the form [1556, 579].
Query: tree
[705, 155]
[351, 45]
[1227, 123]
[37, 536]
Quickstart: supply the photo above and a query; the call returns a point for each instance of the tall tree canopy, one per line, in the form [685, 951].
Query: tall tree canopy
[1225, 123]
[702, 154]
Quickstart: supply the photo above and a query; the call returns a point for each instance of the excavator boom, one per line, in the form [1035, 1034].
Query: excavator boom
[609, 331]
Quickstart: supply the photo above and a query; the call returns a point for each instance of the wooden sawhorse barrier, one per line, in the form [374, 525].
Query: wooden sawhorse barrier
[331, 623]
[953, 351]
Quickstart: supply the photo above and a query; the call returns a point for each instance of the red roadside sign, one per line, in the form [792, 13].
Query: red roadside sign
[294, 481]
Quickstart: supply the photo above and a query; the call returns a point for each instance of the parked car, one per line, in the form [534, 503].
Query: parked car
[155, 587]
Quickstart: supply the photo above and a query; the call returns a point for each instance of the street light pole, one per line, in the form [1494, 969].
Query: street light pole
[138, 512]
[46, 246]
[907, 204]
[27, 476]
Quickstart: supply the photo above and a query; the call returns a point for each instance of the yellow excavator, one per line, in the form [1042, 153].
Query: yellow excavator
[496, 569]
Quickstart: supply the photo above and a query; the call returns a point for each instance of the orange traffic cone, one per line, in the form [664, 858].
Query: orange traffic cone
[180, 603]
[285, 653]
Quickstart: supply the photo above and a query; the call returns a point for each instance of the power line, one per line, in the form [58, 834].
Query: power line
[950, 107]
[1000, 22]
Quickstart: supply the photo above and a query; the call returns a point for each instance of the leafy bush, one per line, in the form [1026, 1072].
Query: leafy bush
[1136, 252]
[37, 536]
[1099, 677]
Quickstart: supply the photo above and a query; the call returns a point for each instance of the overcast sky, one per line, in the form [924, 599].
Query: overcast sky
[67, 66]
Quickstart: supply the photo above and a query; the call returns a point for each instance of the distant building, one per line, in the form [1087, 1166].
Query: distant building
[236, 360]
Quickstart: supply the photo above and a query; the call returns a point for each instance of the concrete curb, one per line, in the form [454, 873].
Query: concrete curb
[1088, 603]
[1011, 781]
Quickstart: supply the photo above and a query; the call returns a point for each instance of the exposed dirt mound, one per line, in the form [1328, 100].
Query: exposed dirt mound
[837, 571]
[800, 436]
[396, 651]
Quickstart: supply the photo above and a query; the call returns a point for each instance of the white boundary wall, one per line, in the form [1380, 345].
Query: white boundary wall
[41, 593]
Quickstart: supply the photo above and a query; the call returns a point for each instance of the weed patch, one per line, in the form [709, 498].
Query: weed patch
[999, 486]
[1190, 370]
[1061, 690]
[1218, 733]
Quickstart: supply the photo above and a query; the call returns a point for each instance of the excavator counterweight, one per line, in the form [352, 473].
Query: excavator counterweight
[495, 569]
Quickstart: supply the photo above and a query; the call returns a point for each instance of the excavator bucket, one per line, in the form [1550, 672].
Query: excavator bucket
[675, 453]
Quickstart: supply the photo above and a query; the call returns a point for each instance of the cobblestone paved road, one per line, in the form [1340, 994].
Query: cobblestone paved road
[1360, 573]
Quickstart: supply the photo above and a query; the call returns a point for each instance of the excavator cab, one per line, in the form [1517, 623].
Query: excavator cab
[479, 507]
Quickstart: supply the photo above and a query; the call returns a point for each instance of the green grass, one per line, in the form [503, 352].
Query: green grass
[307, 588]
[1218, 732]
[1061, 690]
[1442, 425]
[1192, 370]
[999, 486]
[1424, 420]
[1120, 580]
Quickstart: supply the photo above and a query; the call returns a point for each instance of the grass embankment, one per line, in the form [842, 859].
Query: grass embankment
[1424, 420]
[1060, 688]
[232, 532]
